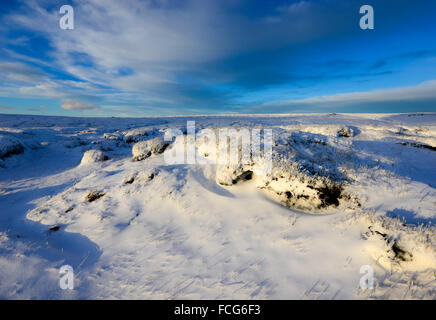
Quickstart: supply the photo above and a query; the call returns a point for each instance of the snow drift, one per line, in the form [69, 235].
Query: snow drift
[334, 200]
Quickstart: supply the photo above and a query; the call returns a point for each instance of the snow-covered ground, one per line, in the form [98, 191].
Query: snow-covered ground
[345, 191]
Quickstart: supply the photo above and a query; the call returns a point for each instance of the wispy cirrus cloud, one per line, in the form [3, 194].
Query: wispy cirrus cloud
[38, 109]
[171, 47]
[20, 72]
[200, 56]
[77, 105]
[422, 92]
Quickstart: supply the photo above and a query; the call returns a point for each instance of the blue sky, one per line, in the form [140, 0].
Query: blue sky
[165, 57]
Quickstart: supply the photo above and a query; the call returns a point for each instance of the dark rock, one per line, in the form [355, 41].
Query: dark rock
[92, 196]
[330, 195]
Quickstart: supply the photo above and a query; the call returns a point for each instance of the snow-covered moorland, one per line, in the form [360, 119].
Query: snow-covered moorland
[345, 191]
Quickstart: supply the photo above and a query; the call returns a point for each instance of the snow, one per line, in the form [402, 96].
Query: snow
[331, 204]
[143, 149]
[346, 132]
[9, 146]
[93, 156]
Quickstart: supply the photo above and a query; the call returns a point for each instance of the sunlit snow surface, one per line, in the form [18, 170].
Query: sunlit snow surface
[160, 231]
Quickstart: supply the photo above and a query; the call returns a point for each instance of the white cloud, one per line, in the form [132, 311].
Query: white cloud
[174, 51]
[77, 105]
[39, 109]
[20, 72]
[425, 90]
[160, 40]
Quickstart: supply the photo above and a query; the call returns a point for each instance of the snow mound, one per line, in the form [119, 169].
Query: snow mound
[395, 246]
[138, 134]
[113, 136]
[74, 142]
[93, 156]
[307, 173]
[133, 135]
[10, 146]
[346, 132]
[228, 175]
[144, 149]
[299, 190]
